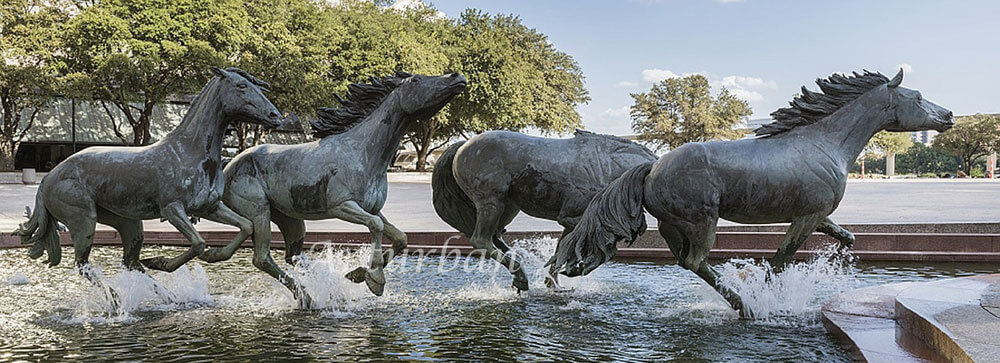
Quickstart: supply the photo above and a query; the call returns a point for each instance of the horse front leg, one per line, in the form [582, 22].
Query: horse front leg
[222, 214]
[800, 230]
[373, 276]
[175, 214]
[846, 238]
[397, 237]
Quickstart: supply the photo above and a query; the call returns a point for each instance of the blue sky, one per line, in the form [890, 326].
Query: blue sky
[766, 50]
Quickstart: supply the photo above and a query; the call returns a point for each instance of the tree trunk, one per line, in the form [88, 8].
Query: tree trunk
[890, 165]
[422, 159]
[7, 151]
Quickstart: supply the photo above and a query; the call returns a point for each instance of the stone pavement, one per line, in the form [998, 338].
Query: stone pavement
[866, 202]
[954, 320]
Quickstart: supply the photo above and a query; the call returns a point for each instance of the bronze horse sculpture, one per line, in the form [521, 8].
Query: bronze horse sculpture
[342, 175]
[176, 179]
[480, 185]
[796, 173]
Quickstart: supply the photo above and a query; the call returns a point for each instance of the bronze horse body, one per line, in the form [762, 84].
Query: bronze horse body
[795, 173]
[342, 175]
[480, 185]
[175, 179]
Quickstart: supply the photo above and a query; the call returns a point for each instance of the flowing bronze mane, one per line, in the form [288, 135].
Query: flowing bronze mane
[361, 100]
[259, 83]
[810, 107]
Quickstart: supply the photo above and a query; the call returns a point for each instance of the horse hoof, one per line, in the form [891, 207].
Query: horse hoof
[375, 281]
[520, 284]
[357, 276]
[213, 255]
[158, 263]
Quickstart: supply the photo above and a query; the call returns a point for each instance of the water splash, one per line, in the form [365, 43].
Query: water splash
[115, 298]
[793, 293]
[322, 277]
[18, 279]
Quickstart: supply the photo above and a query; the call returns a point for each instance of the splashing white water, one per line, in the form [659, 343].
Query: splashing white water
[794, 291]
[116, 298]
[533, 253]
[18, 279]
[322, 277]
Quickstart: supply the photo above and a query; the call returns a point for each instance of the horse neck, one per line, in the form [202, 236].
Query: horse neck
[381, 133]
[851, 127]
[202, 129]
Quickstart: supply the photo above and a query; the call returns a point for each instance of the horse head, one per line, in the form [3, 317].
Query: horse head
[242, 97]
[420, 96]
[911, 112]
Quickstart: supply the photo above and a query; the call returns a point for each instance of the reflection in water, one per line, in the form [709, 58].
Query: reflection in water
[432, 310]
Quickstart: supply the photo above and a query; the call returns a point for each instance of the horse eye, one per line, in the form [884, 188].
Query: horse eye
[241, 86]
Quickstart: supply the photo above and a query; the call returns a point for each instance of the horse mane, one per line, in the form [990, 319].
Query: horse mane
[256, 81]
[360, 100]
[810, 107]
[621, 140]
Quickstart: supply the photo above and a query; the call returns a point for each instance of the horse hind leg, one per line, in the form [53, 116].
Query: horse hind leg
[488, 218]
[67, 202]
[691, 243]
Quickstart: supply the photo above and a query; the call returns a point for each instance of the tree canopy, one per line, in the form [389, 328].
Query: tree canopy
[972, 139]
[28, 70]
[130, 55]
[133, 54]
[681, 110]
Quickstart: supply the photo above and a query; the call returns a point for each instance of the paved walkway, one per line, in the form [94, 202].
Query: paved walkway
[866, 201]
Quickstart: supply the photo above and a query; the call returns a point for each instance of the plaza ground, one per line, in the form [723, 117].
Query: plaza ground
[865, 202]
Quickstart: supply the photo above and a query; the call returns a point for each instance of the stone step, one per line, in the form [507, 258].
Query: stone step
[955, 320]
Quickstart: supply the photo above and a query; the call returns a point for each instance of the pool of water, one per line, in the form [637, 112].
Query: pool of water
[434, 308]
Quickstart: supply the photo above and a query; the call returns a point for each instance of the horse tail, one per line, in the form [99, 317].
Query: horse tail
[614, 214]
[41, 231]
[450, 201]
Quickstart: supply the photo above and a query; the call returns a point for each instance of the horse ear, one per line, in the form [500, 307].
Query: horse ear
[218, 72]
[895, 81]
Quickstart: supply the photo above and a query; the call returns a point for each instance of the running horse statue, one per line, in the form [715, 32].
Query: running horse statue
[796, 172]
[176, 179]
[342, 175]
[481, 184]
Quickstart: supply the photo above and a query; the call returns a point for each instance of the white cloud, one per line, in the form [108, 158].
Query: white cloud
[616, 113]
[657, 75]
[404, 5]
[906, 67]
[743, 82]
[747, 95]
[626, 84]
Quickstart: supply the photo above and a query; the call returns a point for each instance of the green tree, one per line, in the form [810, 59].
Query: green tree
[28, 77]
[681, 110]
[133, 54]
[973, 138]
[517, 80]
[921, 159]
[888, 145]
[287, 45]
